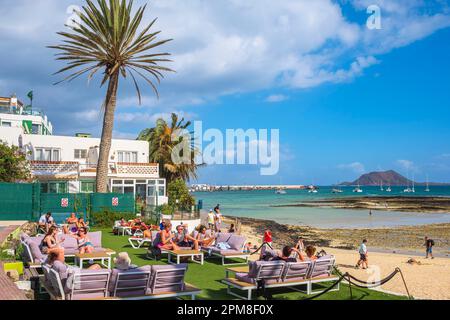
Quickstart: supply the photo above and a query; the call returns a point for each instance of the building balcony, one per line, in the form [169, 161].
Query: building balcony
[74, 170]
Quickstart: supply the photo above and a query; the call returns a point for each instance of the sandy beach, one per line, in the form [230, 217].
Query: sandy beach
[430, 279]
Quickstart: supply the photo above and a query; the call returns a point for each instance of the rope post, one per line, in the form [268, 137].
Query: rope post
[350, 287]
[404, 282]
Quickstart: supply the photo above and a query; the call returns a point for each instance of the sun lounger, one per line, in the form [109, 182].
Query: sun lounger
[34, 257]
[144, 283]
[277, 274]
[137, 242]
[81, 284]
[236, 250]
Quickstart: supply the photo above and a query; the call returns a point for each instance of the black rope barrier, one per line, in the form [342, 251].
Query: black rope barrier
[329, 288]
[260, 247]
[369, 285]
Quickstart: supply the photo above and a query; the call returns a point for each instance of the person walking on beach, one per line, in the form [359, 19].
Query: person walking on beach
[429, 243]
[218, 219]
[211, 220]
[363, 260]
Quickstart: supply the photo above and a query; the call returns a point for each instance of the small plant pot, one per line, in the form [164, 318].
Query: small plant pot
[18, 266]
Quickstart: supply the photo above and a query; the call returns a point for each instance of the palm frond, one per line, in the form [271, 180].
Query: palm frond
[107, 39]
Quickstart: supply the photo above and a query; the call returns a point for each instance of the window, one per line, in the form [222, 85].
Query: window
[87, 186]
[35, 129]
[127, 157]
[47, 154]
[54, 187]
[121, 186]
[6, 124]
[156, 186]
[80, 154]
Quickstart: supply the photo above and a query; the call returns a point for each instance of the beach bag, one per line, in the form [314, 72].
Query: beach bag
[432, 242]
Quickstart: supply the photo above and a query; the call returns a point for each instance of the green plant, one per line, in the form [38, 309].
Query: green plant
[106, 218]
[178, 190]
[13, 164]
[110, 38]
[162, 145]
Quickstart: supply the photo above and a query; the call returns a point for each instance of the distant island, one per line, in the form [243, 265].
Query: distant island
[389, 177]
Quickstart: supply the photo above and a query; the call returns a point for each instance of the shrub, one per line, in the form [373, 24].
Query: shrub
[178, 190]
[106, 218]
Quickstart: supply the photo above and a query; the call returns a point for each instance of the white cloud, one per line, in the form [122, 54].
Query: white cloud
[276, 98]
[356, 167]
[407, 165]
[220, 47]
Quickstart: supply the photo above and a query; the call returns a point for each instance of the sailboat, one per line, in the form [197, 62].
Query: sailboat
[337, 189]
[381, 186]
[428, 186]
[280, 189]
[389, 189]
[358, 189]
[408, 189]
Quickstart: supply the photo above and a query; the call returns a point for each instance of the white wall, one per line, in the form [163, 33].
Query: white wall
[68, 145]
[17, 119]
[10, 135]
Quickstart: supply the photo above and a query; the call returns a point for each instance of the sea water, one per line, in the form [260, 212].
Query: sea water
[261, 204]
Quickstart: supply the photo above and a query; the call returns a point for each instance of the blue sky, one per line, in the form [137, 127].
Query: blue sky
[346, 99]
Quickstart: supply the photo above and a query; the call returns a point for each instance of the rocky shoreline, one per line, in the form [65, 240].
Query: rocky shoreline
[403, 204]
[399, 239]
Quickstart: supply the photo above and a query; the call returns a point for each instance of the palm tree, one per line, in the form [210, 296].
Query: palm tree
[162, 146]
[107, 40]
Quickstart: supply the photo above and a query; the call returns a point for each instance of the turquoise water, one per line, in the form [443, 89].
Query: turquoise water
[258, 204]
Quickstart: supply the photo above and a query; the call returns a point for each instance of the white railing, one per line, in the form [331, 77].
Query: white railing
[74, 169]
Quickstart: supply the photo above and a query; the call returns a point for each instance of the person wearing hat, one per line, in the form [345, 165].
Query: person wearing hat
[123, 262]
[211, 219]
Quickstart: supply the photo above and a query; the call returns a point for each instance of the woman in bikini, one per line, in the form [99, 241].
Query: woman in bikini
[71, 222]
[84, 244]
[50, 245]
[202, 238]
[166, 239]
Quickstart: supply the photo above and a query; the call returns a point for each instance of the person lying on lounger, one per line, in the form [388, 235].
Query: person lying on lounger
[72, 223]
[84, 243]
[50, 245]
[183, 239]
[203, 238]
[166, 239]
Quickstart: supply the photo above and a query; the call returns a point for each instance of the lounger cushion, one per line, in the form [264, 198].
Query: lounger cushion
[96, 239]
[36, 252]
[24, 236]
[322, 268]
[37, 240]
[61, 269]
[236, 242]
[271, 268]
[244, 277]
[169, 278]
[70, 251]
[92, 283]
[133, 279]
[69, 242]
[223, 237]
[224, 252]
[296, 270]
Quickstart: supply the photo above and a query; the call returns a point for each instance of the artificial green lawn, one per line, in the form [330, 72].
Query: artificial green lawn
[208, 276]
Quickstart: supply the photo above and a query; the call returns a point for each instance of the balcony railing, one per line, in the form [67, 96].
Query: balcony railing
[64, 169]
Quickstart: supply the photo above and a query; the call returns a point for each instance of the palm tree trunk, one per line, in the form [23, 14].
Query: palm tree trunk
[108, 124]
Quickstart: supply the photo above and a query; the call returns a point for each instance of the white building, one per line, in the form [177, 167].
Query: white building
[68, 164]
